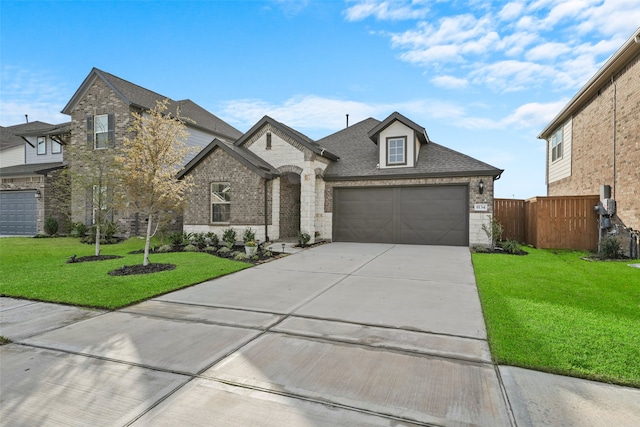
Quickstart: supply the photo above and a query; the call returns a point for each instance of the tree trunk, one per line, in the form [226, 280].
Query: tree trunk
[97, 239]
[147, 242]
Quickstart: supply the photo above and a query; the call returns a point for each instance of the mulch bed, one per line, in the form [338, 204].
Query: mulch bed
[73, 259]
[128, 270]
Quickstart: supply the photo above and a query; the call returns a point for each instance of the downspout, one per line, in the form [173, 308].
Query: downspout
[613, 83]
[266, 237]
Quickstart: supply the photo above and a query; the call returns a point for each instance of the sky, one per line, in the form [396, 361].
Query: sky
[483, 78]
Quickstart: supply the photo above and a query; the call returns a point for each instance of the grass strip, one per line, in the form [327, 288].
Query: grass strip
[36, 269]
[554, 312]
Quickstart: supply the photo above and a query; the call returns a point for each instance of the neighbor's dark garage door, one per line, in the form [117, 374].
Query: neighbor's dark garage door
[431, 215]
[18, 213]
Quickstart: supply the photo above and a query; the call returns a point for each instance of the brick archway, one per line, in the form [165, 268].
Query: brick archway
[289, 204]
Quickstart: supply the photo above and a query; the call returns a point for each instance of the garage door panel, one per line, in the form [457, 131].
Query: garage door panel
[432, 215]
[18, 213]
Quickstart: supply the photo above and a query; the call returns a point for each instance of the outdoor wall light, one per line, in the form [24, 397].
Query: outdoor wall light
[38, 194]
[481, 187]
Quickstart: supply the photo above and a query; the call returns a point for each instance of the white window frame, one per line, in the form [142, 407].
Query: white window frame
[41, 141]
[99, 195]
[557, 145]
[220, 196]
[393, 144]
[56, 147]
[101, 132]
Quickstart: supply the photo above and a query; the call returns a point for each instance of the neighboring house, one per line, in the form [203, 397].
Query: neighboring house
[100, 113]
[595, 139]
[371, 182]
[32, 155]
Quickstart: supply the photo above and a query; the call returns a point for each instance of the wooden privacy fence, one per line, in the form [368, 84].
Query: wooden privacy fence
[556, 222]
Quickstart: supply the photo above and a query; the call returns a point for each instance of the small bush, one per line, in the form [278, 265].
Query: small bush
[199, 240]
[511, 246]
[224, 250]
[51, 226]
[191, 248]
[481, 249]
[229, 237]
[210, 249]
[78, 229]
[212, 239]
[176, 239]
[610, 248]
[493, 231]
[109, 229]
[240, 256]
[303, 238]
[249, 235]
[164, 249]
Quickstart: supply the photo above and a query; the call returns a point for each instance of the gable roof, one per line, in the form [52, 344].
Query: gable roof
[359, 158]
[10, 135]
[300, 138]
[139, 97]
[629, 50]
[395, 116]
[241, 154]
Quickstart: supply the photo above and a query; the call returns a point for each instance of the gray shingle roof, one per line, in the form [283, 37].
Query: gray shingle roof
[31, 169]
[140, 97]
[243, 155]
[359, 158]
[10, 135]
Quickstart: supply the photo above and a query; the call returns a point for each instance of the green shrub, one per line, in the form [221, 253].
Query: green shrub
[109, 229]
[210, 249]
[78, 229]
[164, 249]
[51, 226]
[240, 256]
[191, 248]
[224, 250]
[176, 239]
[493, 231]
[229, 237]
[212, 238]
[199, 240]
[511, 246]
[610, 248]
[249, 235]
[303, 238]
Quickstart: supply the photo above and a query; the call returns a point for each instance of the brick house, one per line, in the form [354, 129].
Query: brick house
[595, 139]
[371, 182]
[100, 113]
[31, 157]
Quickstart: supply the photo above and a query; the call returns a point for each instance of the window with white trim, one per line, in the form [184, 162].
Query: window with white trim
[42, 145]
[56, 147]
[556, 145]
[220, 202]
[397, 151]
[99, 205]
[101, 131]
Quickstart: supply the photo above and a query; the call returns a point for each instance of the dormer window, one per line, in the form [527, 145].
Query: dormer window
[396, 151]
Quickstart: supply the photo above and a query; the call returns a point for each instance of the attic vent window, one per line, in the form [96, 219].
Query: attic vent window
[396, 151]
[268, 140]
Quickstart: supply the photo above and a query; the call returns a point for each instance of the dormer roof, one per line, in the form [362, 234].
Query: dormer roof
[395, 116]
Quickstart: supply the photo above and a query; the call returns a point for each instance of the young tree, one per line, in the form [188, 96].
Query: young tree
[150, 162]
[92, 180]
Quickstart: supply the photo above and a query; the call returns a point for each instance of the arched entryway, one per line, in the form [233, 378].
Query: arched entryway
[289, 204]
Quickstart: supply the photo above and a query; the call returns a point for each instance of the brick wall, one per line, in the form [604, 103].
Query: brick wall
[593, 157]
[247, 191]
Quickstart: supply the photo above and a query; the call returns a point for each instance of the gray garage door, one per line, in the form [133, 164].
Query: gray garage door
[430, 215]
[18, 213]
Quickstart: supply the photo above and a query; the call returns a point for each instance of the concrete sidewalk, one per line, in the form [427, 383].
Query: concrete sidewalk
[341, 334]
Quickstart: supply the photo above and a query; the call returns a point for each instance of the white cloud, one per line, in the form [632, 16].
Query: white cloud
[386, 10]
[547, 51]
[450, 82]
[511, 11]
[511, 75]
[37, 94]
[534, 115]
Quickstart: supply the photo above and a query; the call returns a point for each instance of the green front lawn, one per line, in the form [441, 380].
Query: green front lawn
[553, 312]
[37, 269]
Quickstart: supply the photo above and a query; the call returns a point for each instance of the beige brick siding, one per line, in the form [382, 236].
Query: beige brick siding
[593, 150]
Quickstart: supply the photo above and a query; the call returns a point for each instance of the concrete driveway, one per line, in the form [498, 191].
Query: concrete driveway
[341, 334]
